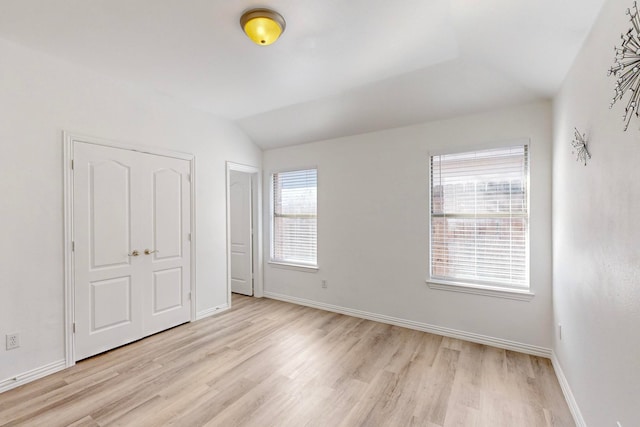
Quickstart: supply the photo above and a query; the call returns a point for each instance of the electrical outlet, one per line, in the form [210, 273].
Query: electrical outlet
[324, 284]
[560, 331]
[13, 341]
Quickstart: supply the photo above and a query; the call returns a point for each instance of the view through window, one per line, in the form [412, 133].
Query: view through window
[294, 217]
[480, 217]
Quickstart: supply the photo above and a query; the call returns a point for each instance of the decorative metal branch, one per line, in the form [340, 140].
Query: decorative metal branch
[626, 67]
[579, 145]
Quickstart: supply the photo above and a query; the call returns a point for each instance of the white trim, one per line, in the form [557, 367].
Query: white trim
[211, 311]
[480, 146]
[69, 287]
[494, 291]
[69, 294]
[127, 146]
[284, 263]
[293, 169]
[490, 291]
[298, 267]
[32, 375]
[566, 390]
[242, 168]
[256, 187]
[419, 326]
[193, 254]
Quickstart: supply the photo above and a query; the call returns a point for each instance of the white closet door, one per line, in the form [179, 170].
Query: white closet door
[127, 203]
[166, 252]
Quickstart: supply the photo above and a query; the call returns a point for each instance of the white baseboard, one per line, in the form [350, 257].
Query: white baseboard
[568, 394]
[32, 375]
[211, 311]
[438, 330]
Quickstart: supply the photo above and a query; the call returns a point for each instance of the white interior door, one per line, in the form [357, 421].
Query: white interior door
[240, 211]
[167, 257]
[107, 272]
[126, 204]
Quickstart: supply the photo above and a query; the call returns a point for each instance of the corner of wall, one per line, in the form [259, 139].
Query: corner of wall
[566, 390]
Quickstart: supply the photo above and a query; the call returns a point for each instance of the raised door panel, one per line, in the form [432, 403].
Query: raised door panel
[167, 214]
[110, 303]
[109, 213]
[167, 290]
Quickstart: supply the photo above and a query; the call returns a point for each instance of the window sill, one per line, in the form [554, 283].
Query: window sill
[490, 291]
[298, 267]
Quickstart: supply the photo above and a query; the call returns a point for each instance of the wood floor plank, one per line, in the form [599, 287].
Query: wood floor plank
[268, 363]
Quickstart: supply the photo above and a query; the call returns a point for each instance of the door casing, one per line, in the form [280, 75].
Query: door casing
[69, 263]
[256, 186]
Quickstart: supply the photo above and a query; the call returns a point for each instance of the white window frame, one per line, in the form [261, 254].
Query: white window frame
[309, 268]
[492, 290]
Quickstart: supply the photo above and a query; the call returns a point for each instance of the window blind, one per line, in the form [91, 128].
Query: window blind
[480, 217]
[294, 238]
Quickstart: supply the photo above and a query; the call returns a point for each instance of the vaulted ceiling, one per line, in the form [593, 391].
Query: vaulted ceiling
[342, 67]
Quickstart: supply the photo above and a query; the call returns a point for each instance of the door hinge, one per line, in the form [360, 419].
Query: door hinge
[72, 165]
[189, 296]
[189, 177]
[73, 246]
[74, 328]
[189, 236]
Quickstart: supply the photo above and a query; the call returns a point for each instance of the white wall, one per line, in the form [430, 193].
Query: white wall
[373, 225]
[39, 98]
[596, 235]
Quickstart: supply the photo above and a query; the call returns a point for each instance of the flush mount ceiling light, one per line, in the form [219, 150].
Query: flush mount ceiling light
[263, 26]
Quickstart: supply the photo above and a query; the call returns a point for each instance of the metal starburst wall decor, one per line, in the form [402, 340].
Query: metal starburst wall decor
[579, 145]
[626, 67]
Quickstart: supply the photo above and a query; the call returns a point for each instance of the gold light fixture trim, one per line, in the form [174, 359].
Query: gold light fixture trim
[263, 26]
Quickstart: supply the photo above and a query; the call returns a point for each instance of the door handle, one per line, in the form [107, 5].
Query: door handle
[149, 251]
[134, 253]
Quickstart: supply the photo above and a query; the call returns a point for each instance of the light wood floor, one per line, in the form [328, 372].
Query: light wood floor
[269, 363]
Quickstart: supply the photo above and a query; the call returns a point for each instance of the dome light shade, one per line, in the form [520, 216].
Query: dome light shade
[263, 26]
